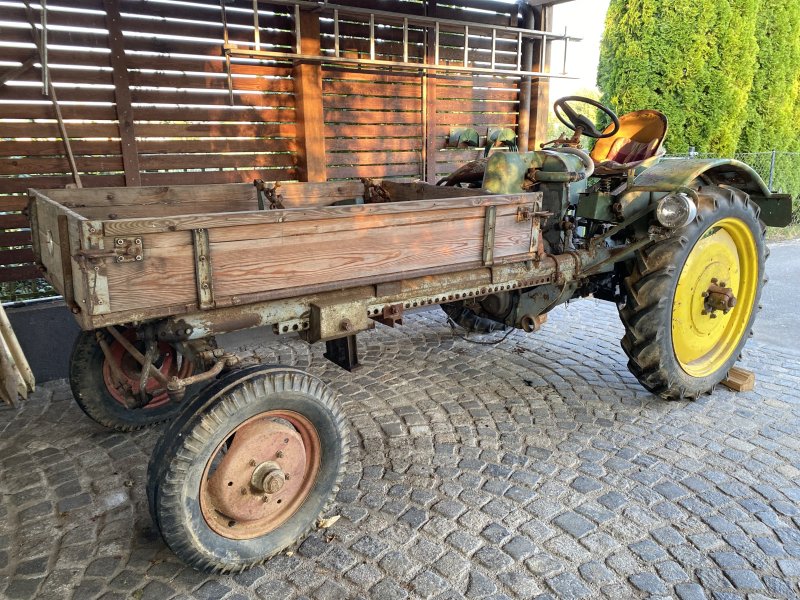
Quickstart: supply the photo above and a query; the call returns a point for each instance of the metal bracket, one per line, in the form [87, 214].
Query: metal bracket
[489, 224]
[126, 249]
[202, 265]
[268, 193]
[391, 315]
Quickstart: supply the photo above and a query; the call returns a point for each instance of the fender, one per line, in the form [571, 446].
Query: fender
[653, 183]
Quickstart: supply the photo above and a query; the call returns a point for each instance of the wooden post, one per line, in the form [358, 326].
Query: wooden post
[540, 92]
[308, 104]
[122, 95]
[429, 100]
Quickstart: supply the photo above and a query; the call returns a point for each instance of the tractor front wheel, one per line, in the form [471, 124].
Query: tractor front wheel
[692, 298]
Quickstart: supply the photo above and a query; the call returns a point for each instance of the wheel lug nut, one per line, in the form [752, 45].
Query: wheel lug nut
[288, 476]
[713, 316]
[279, 454]
[243, 491]
[252, 462]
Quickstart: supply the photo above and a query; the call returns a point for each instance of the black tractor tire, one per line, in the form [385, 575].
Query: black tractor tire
[181, 458]
[91, 392]
[650, 291]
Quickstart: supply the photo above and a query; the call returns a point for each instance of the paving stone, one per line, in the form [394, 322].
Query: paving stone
[211, 590]
[648, 583]
[596, 573]
[388, 590]
[519, 548]
[428, 584]
[690, 591]
[574, 524]
[480, 586]
[568, 587]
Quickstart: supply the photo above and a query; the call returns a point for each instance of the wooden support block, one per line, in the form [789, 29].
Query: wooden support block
[739, 380]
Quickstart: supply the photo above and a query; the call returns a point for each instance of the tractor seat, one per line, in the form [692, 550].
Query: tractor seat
[640, 137]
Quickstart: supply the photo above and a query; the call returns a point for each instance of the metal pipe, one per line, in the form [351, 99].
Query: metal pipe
[313, 58]
[466, 45]
[405, 39]
[256, 26]
[436, 44]
[138, 356]
[297, 33]
[45, 63]
[494, 46]
[336, 33]
[372, 36]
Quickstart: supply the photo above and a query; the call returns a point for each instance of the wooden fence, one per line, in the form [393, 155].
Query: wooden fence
[144, 94]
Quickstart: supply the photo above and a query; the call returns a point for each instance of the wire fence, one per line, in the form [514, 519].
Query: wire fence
[780, 170]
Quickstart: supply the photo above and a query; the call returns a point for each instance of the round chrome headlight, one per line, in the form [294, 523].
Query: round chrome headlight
[676, 210]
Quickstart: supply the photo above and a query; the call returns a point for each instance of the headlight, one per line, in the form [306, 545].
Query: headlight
[676, 210]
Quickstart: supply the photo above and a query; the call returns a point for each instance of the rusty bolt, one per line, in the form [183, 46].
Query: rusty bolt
[205, 286]
[120, 242]
[92, 230]
[704, 294]
[138, 241]
[265, 499]
[346, 325]
[714, 280]
[279, 454]
[138, 257]
[243, 491]
[713, 315]
[120, 258]
[722, 284]
[288, 476]
[252, 462]
[703, 312]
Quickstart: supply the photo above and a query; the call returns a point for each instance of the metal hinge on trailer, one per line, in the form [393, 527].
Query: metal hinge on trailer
[126, 249]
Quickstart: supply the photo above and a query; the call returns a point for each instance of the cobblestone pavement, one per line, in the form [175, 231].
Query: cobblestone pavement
[536, 469]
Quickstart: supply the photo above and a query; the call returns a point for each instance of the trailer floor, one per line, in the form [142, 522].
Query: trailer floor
[538, 468]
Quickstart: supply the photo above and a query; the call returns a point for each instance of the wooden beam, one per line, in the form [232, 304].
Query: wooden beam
[538, 3]
[540, 92]
[15, 72]
[429, 104]
[308, 104]
[122, 95]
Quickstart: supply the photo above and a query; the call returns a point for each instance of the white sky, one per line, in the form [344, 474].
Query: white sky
[584, 19]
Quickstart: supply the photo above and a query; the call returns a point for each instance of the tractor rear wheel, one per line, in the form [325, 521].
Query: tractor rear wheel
[692, 298]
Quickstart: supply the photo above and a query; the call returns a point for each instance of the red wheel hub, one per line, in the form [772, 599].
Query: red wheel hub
[167, 362]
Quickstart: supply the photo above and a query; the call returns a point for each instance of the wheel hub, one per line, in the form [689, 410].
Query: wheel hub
[261, 475]
[718, 297]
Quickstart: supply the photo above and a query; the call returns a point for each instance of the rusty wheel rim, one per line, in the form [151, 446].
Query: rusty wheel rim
[260, 474]
[169, 363]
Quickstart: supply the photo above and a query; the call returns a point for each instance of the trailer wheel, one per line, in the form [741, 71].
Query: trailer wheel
[692, 298]
[98, 395]
[247, 468]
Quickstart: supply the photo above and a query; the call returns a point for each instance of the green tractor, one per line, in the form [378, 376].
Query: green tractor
[686, 240]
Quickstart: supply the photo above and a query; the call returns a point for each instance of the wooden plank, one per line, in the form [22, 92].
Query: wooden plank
[154, 196]
[21, 184]
[49, 129]
[540, 87]
[13, 221]
[122, 95]
[406, 170]
[363, 102]
[45, 147]
[373, 144]
[218, 113]
[214, 145]
[16, 256]
[373, 131]
[124, 227]
[13, 203]
[308, 92]
[352, 88]
[371, 117]
[372, 158]
[15, 238]
[19, 273]
[210, 177]
[201, 129]
[197, 161]
[36, 165]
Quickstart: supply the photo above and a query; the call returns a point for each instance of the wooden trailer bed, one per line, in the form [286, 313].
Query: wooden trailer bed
[120, 255]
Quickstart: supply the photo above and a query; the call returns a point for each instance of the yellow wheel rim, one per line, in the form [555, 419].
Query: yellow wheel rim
[726, 252]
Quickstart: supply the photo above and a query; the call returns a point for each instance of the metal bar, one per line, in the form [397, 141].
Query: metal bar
[466, 45]
[566, 45]
[297, 33]
[494, 47]
[138, 356]
[203, 275]
[394, 17]
[43, 51]
[372, 37]
[256, 27]
[519, 52]
[242, 52]
[489, 223]
[772, 169]
[436, 44]
[225, 41]
[405, 39]
[336, 33]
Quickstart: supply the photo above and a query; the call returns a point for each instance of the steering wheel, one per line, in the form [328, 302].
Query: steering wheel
[572, 119]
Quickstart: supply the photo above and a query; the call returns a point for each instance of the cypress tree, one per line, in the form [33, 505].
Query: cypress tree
[694, 60]
[773, 113]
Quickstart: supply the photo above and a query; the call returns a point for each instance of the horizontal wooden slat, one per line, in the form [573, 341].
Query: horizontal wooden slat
[20, 273]
[15, 238]
[15, 257]
[21, 184]
[199, 161]
[360, 102]
[35, 165]
[13, 221]
[371, 117]
[373, 144]
[50, 130]
[372, 158]
[13, 203]
[402, 170]
[372, 131]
